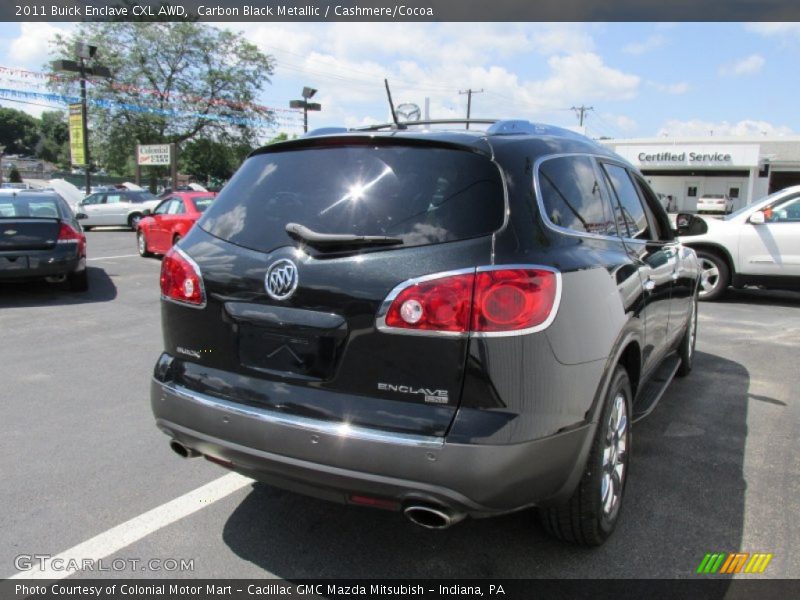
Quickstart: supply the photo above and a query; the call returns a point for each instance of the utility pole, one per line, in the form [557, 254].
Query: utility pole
[84, 120]
[84, 52]
[581, 111]
[469, 93]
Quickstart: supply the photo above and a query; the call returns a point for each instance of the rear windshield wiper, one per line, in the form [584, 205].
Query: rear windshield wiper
[337, 240]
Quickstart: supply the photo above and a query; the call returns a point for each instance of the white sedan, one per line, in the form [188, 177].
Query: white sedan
[757, 245]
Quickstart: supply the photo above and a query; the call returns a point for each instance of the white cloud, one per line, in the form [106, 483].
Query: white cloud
[651, 43]
[348, 62]
[749, 65]
[774, 29]
[31, 48]
[699, 128]
[670, 88]
[581, 78]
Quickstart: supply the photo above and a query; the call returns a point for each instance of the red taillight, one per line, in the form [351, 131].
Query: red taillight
[181, 280]
[490, 301]
[441, 304]
[69, 235]
[513, 299]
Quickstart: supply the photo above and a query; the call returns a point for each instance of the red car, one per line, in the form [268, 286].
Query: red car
[170, 221]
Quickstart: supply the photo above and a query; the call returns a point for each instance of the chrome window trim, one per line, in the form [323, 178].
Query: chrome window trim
[384, 308]
[200, 306]
[336, 429]
[540, 202]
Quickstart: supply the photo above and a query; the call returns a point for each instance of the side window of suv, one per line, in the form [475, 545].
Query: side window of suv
[630, 213]
[572, 196]
[93, 199]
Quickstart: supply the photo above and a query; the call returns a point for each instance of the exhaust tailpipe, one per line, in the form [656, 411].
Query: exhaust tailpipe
[432, 517]
[182, 450]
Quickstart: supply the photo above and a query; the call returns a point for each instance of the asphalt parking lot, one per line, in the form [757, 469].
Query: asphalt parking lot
[715, 467]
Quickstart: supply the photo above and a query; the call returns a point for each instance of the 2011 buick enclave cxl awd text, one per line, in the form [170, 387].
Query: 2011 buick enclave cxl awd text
[439, 322]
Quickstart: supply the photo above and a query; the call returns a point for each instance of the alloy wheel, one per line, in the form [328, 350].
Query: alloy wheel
[614, 457]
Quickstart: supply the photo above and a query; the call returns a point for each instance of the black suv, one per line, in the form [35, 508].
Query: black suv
[443, 323]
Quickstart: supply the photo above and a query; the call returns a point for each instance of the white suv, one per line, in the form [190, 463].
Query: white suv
[757, 245]
[115, 207]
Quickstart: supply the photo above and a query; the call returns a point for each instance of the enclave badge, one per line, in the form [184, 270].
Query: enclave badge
[281, 279]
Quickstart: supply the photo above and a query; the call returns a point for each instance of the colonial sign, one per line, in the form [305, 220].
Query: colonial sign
[153, 155]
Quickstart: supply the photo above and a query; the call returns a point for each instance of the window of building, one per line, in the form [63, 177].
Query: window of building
[691, 191]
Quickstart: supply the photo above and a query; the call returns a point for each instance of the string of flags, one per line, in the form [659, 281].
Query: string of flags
[222, 102]
[56, 98]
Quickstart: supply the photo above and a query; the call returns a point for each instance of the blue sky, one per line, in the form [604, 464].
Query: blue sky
[642, 79]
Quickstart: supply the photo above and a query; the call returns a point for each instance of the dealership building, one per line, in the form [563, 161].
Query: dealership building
[745, 168]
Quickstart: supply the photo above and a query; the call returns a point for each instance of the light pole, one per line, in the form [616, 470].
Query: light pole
[84, 52]
[308, 92]
[2, 149]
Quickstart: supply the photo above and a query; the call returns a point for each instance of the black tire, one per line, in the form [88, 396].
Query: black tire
[715, 275]
[141, 245]
[78, 281]
[590, 516]
[686, 347]
[133, 220]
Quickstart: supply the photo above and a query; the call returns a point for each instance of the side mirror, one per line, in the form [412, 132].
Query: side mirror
[689, 224]
[757, 218]
[147, 212]
[81, 216]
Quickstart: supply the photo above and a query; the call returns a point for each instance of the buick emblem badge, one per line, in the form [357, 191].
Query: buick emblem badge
[281, 279]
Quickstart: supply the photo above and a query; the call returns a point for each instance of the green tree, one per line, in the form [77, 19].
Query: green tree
[206, 159]
[53, 143]
[281, 137]
[14, 176]
[171, 82]
[19, 131]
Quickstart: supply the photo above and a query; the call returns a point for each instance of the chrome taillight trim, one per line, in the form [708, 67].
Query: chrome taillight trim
[381, 325]
[196, 267]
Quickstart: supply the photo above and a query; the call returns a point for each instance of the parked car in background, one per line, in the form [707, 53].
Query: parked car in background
[160, 229]
[115, 207]
[757, 245]
[438, 323]
[715, 203]
[40, 238]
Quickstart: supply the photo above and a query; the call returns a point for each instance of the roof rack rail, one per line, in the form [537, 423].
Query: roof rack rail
[428, 122]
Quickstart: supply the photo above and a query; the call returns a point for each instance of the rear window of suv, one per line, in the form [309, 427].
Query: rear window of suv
[423, 195]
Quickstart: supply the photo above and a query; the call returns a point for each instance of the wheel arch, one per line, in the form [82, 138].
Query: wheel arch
[627, 352]
[716, 249]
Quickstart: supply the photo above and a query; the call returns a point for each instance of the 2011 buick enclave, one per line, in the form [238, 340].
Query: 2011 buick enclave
[444, 323]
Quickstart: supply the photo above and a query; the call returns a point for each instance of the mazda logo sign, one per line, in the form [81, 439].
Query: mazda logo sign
[408, 112]
[281, 279]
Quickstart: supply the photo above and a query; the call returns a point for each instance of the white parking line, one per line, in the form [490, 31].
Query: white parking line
[117, 538]
[109, 257]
